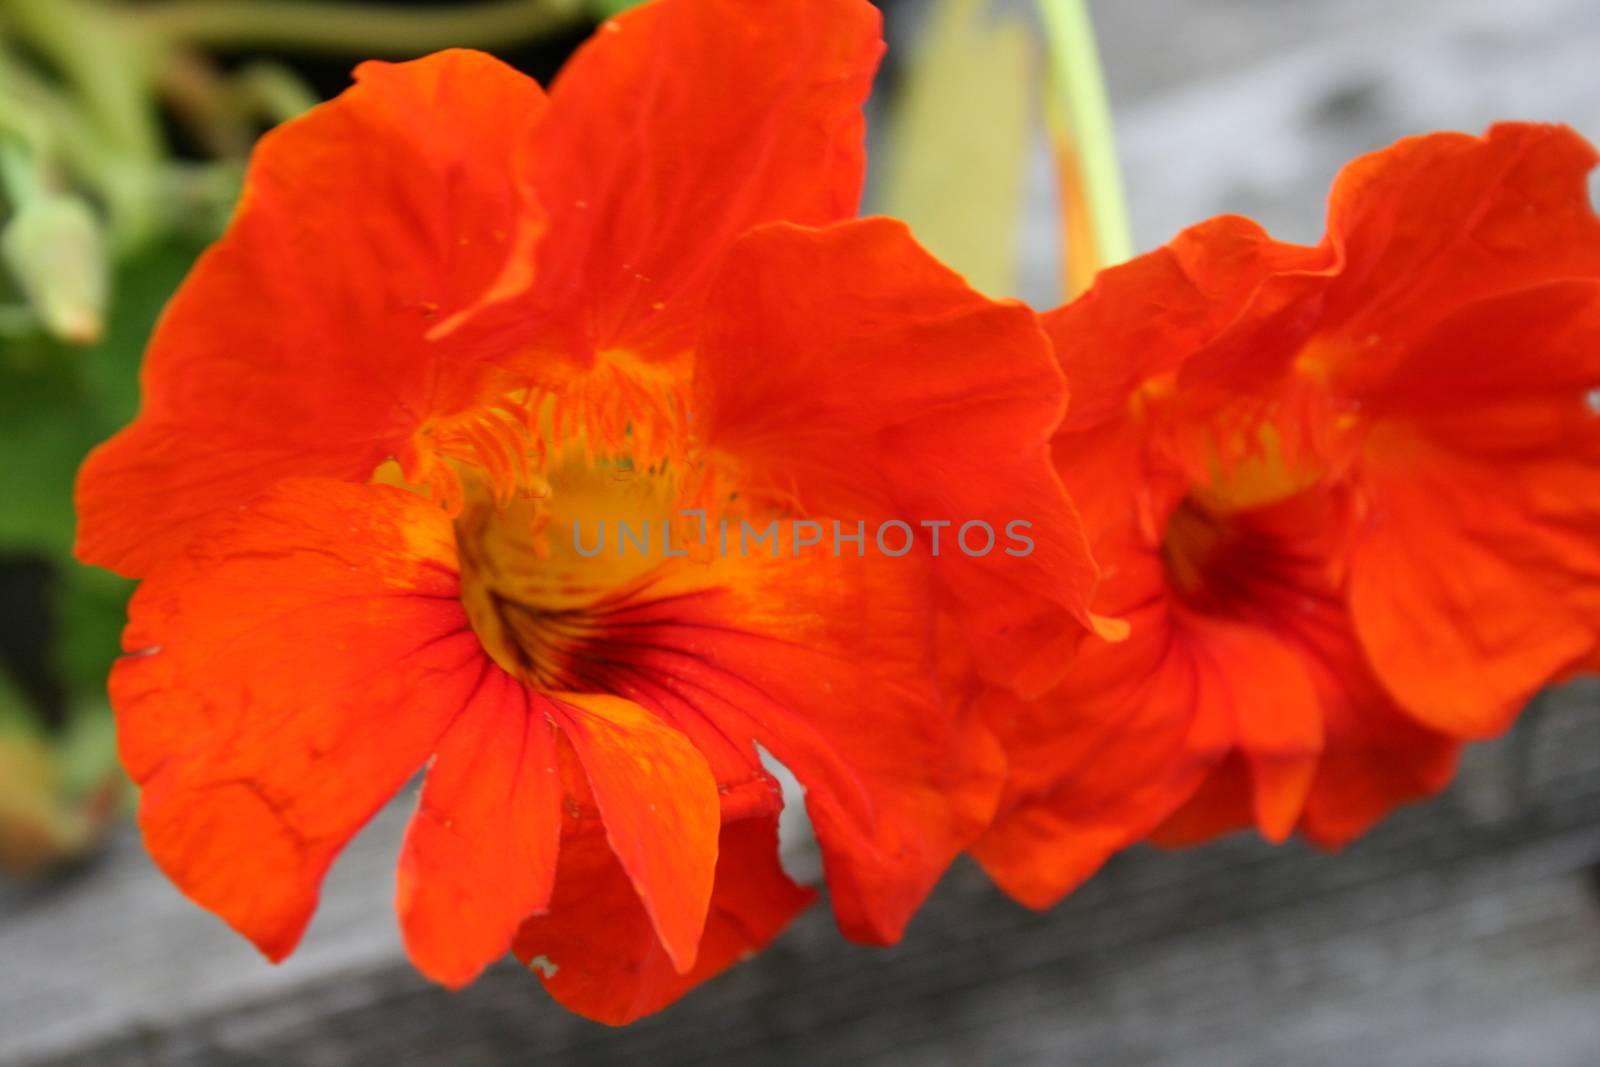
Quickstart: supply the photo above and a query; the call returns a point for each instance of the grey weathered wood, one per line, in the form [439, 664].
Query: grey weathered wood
[1463, 932]
[1443, 938]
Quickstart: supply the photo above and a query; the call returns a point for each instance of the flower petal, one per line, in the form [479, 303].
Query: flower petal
[336, 316]
[287, 673]
[827, 664]
[1376, 757]
[1435, 222]
[844, 372]
[1219, 299]
[1278, 718]
[1478, 576]
[480, 852]
[1458, 622]
[1099, 762]
[660, 808]
[598, 951]
[679, 126]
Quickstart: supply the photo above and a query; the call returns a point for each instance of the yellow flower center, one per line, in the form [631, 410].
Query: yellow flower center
[1254, 470]
[565, 499]
[539, 571]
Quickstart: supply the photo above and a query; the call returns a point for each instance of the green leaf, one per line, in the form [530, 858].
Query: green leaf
[16, 713]
[56, 249]
[57, 402]
[86, 755]
[45, 429]
[91, 607]
[605, 9]
[109, 372]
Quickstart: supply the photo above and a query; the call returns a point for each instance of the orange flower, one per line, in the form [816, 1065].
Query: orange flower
[1347, 496]
[455, 320]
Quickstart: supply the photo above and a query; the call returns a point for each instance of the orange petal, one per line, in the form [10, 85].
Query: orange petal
[1466, 326]
[287, 673]
[480, 853]
[660, 808]
[1221, 806]
[597, 951]
[1133, 729]
[1134, 732]
[1277, 715]
[679, 126]
[1435, 222]
[886, 389]
[1457, 618]
[1223, 282]
[1331, 752]
[336, 316]
[1533, 344]
[1478, 579]
[1376, 758]
[828, 665]
[1267, 781]
[1099, 762]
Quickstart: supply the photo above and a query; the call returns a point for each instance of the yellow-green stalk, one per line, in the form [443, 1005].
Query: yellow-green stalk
[1094, 209]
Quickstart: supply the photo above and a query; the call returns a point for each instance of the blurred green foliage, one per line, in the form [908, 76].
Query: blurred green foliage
[124, 130]
[56, 403]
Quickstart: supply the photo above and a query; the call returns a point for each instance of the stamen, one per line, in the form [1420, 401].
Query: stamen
[496, 444]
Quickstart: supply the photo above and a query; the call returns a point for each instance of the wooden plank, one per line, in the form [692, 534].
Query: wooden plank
[1442, 933]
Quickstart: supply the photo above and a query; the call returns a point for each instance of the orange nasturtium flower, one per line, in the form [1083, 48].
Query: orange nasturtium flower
[1348, 498]
[454, 317]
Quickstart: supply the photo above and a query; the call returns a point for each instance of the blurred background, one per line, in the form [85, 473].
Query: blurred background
[1463, 932]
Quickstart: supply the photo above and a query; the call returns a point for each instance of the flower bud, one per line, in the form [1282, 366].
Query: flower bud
[56, 249]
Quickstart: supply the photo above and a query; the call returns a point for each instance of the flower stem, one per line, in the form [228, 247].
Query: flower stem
[1093, 204]
[355, 28]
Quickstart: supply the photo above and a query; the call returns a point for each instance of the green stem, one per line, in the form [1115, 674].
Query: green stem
[1097, 215]
[354, 28]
